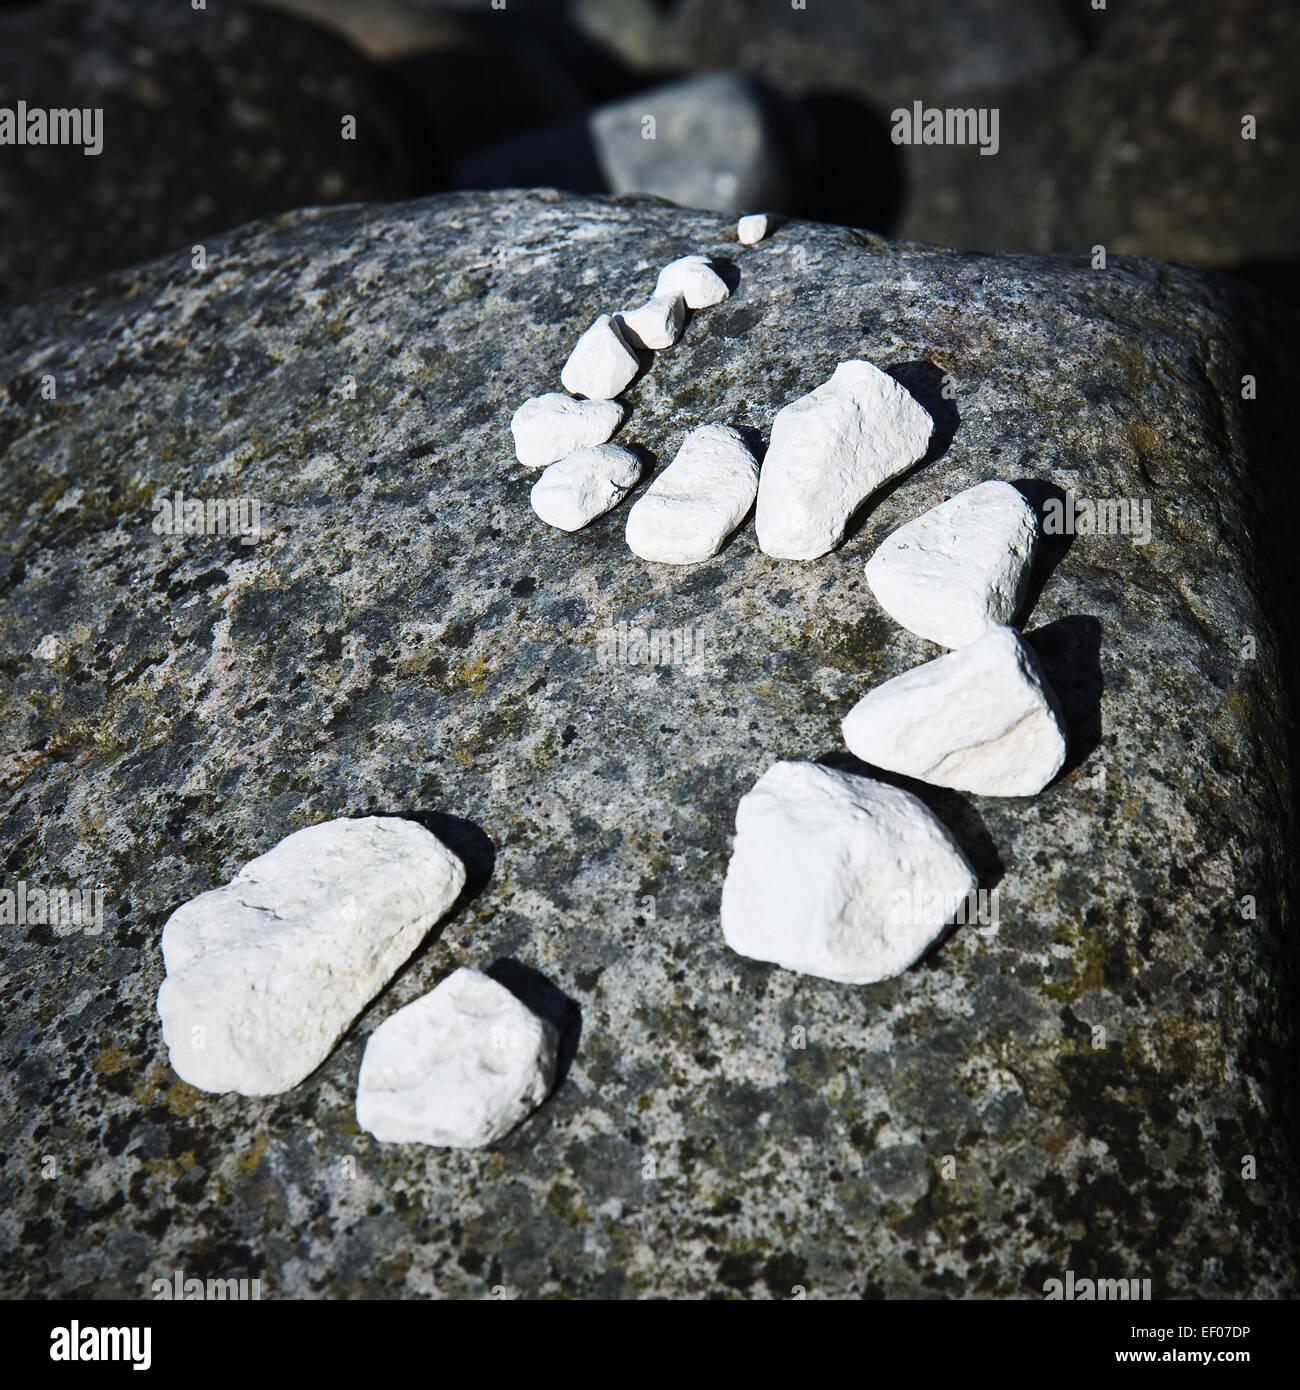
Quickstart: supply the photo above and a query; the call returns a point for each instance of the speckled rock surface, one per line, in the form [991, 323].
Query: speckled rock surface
[407, 638]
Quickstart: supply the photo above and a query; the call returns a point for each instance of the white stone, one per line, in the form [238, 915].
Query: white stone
[829, 451]
[458, 1068]
[657, 323]
[695, 280]
[583, 486]
[959, 569]
[553, 426]
[265, 974]
[982, 719]
[697, 501]
[838, 876]
[601, 363]
[751, 228]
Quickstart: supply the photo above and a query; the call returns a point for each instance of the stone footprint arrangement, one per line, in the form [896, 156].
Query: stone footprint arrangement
[265, 974]
[822, 859]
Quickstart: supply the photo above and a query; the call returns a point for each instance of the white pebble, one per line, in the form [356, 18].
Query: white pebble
[960, 568]
[265, 974]
[583, 486]
[697, 501]
[829, 451]
[695, 280]
[554, 426]
[601, 363]
[458, 1068]
[982, 719]
[657, 323]
[838, 876]
[751, 228]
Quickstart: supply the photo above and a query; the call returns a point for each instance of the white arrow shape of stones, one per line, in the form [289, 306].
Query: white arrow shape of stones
[690, 508]
[459, 1067]
[578, 489]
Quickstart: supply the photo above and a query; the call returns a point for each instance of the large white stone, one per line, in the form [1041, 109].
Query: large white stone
[752, 228]
[265, 974]
[959, 569]
[553, 426]
[459, 1067]
[697, 501]
[982, 719]
[657, 323]
[695, 280]
[829, 451]
[601, 363]
[580, 488]
[838, 876]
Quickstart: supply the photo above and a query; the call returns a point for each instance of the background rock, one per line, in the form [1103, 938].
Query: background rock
[877, 49]
[1120, 127]
[1138, 147]
[408, 638]
[477, 76]
[381, 29]
[210, 118]
[720, 142]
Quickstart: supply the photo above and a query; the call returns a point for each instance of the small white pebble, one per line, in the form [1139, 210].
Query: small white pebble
[695, 279]
[458, 1068]
[751, 228]
[601, 363]
[656, 324]
[697, 501]
[554, 426]
[585, 485]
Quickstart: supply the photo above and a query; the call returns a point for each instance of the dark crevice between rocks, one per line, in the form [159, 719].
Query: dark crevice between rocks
[848, 134]
[1278, 276]
[645, 360]
[755, 441]
[649, 468]
[728, 272]
[1266, 340]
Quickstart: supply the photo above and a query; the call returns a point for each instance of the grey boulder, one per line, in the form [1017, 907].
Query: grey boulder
[406, 636]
